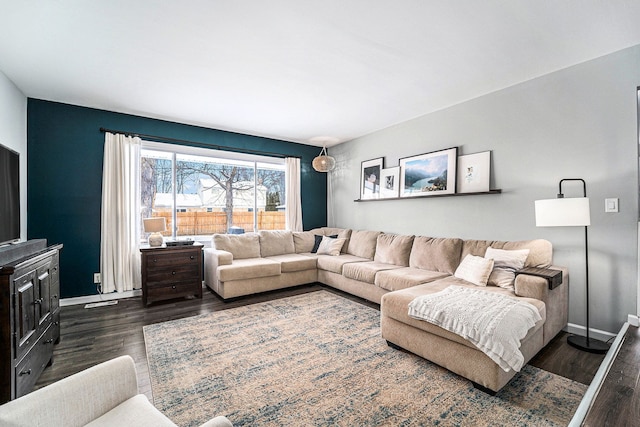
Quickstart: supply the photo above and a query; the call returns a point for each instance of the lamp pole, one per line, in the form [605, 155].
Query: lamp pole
[577, 341]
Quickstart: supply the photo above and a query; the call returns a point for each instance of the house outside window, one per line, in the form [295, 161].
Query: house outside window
[201, 191]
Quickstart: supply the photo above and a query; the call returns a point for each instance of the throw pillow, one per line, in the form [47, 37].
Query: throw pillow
[330, 246]
[505, 265]
[474, 269]
[318, 238]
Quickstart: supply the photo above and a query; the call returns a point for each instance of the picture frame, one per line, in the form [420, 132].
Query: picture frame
[370, 178]
[474, 172]
[390, 182]
[429, 174]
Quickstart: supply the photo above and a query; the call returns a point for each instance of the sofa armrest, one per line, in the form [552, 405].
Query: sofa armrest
[531, 287]
[77, 399]
[556, 300]
[213, 258]
[223, 257]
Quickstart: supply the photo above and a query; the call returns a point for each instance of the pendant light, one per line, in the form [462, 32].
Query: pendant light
[324, 162]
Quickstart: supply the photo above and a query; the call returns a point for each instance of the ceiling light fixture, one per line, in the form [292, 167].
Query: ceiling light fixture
[324, 162]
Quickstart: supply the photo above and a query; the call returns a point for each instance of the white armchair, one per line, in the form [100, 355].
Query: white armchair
[104, 395]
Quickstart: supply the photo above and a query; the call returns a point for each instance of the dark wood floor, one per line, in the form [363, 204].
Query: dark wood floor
[91, 336]
[618, 401]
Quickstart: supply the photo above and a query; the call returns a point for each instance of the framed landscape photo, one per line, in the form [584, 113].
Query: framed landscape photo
[473, 172]
[429, 174]
[390, 182]
[370, 178]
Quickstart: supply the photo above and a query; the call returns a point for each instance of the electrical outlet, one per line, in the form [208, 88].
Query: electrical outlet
[97, 278]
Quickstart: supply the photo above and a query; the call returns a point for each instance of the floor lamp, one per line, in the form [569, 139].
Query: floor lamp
[572, 212]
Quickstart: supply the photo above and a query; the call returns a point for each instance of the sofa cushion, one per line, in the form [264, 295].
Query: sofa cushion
[303, 241]
[505, 265]
[250, 268]
[366, 271]
[393, 249]
[294, 262]
[330, 231]
[335, 263]
[475, 269]
[330, 245]
[317, 239]
[406, 277]
[276, 242]
[241, 246]
[436, 254]
[540, 250]
[362, 243]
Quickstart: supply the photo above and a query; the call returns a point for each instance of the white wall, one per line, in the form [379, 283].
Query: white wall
[13, 134]
[578, 122]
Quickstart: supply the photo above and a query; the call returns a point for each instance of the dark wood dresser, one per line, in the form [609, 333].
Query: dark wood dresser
[29, 314]
[171, 272]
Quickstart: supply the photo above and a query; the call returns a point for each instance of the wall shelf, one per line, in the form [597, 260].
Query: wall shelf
[496, 191]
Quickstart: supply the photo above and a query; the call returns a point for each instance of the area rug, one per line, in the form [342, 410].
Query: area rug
[317, 359]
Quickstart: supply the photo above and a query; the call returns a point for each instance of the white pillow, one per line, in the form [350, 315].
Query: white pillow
[474, 269]
[330, 246]
[505, 265]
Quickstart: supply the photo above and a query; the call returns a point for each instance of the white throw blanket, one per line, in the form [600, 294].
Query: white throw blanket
[492, 322]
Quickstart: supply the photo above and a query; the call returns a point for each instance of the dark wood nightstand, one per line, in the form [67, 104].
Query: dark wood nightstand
[171, 272]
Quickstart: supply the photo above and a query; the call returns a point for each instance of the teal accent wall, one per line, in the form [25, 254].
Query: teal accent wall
[64, 174]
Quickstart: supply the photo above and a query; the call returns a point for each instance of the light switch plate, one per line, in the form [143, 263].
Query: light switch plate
[611, 205]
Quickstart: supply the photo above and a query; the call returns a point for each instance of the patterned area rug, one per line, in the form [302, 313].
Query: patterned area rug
[318, 359]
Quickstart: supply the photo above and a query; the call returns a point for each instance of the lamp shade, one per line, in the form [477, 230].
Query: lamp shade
[154, 225]
[569, 212]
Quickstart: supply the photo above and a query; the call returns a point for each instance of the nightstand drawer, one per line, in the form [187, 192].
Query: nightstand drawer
[176, 290]
[166, 259]
[177, 273]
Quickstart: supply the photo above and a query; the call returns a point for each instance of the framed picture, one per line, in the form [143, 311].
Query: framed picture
[473, 172]
[390, 182]
[370, 179]
[429, 174]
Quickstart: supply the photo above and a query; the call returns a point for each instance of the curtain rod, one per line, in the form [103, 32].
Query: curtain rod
[199, 144]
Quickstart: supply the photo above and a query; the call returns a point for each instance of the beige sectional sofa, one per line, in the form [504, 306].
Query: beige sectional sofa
[392, 270]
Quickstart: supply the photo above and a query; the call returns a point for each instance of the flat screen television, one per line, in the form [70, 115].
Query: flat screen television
[9, 195]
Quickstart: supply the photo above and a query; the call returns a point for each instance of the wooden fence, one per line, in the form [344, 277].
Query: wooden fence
[203, 223]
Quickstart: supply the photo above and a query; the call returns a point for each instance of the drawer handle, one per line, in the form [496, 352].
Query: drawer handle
[173, 273]
[155, 260]
[192, 257]
[173, 286]
[38, 301]
[56, 323]
[49, 341]
[27, 372]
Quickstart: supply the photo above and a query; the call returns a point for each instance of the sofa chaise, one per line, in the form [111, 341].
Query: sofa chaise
[393, 270]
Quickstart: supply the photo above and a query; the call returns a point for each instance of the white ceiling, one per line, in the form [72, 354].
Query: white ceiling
[297, 69]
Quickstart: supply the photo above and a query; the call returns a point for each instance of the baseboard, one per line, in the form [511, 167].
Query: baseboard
[598, 380]
[593, 333]
[633, 320]
[102, 297]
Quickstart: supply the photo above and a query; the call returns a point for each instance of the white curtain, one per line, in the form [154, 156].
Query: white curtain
[119, 231]
[294, 203]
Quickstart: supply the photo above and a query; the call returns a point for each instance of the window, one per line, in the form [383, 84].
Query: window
[201, 192]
